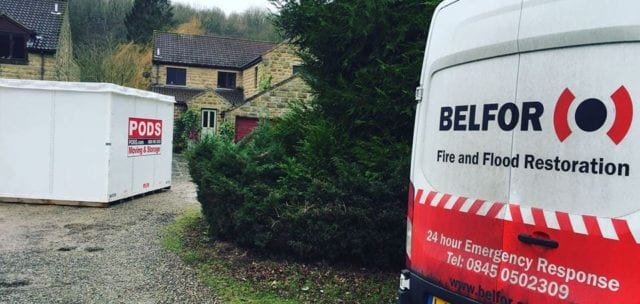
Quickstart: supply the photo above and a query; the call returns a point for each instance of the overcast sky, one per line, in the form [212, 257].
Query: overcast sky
[228, 6]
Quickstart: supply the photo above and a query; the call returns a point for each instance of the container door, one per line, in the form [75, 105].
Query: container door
[457, 214]
[26, 149]
[576, 185]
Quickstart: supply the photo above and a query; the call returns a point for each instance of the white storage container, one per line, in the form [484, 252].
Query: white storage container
[82, 143]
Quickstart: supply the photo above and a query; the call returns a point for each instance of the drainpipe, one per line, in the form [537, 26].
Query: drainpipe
[157, 66]
[41, 65]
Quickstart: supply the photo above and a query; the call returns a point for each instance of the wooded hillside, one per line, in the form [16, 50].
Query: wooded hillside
[104, 53]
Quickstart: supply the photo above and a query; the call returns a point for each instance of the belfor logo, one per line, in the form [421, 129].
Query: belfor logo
[591, 115]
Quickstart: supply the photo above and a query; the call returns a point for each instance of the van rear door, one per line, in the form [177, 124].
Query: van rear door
[576, 188]
[447, 225]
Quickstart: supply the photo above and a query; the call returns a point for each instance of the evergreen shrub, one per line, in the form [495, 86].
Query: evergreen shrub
[290, 190]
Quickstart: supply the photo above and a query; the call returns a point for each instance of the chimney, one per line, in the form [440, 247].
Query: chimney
[158, 52]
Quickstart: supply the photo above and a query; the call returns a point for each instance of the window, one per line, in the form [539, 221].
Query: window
[298, 69]
[227, 80]
[208, 120]
[5, 45]
[176, 76]
[13, 47]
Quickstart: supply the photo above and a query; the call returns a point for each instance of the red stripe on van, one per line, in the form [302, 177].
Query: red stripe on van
[538, 217]
[495, 209]
[443, 201]
[516, 215]
[419, 196]
[459, 202]
[591, 222]
[564, 221]
[622, 230]
[430, 197]
[476, 206]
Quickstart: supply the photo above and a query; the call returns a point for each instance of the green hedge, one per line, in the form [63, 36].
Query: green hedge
[288, 189]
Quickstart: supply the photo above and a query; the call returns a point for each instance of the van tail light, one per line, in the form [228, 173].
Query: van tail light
[409, 224]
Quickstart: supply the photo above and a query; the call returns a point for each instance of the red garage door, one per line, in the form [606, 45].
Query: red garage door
[244, 126]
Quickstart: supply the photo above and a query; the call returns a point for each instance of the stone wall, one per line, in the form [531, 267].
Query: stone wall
[179, 109]
[197, 77]
[31, 70]
[210, 100]
[278, 63]
[269, 104]
[273, 103]
[249, 80]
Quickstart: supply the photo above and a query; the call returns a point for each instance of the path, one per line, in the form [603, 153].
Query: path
[54, 254]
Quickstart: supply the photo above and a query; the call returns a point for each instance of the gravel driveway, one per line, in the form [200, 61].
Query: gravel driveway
[54, 254]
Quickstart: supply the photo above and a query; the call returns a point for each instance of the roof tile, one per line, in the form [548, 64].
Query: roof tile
[181, 94]
[210, 51]
[235, 97]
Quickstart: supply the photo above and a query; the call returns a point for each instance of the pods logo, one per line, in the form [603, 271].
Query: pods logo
[591, 115]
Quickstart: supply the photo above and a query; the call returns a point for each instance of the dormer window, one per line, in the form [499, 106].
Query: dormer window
[13, 47]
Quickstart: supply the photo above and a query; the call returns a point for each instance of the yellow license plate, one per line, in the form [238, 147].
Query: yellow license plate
[436, 300]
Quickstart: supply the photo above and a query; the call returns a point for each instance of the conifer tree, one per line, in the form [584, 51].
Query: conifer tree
[147, 16]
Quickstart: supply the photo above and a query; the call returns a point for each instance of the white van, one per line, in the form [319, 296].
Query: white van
[526, 155]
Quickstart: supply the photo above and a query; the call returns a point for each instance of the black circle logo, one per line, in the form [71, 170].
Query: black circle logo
[591, 115]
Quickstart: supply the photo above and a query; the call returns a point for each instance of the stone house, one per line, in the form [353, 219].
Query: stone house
[227, 79]
[35, 40]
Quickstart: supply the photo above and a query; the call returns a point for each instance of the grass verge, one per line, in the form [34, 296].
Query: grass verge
[237, 275]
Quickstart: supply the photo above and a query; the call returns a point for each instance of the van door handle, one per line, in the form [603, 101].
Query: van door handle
[532, 240]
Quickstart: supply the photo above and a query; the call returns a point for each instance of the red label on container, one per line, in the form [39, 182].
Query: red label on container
[143, 128]
[145, 136]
